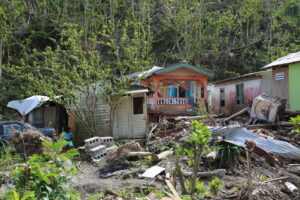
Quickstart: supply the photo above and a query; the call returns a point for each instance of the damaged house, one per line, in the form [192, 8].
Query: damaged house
[41, 112]
[129, 117]
[179, 89]
[281, 79]
[161, 91]
[285, 79]
[231, 95]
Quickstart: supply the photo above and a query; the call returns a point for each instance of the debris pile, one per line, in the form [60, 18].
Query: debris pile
[29, 143]
[120, 156]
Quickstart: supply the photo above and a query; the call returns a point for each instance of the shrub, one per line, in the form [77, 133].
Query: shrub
[47, 175]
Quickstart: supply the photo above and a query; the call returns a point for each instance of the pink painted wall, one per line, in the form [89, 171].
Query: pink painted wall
[251, 90]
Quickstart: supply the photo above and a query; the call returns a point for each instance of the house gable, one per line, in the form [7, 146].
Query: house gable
[184, 67]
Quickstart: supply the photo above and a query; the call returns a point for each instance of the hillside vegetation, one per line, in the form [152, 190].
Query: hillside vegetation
[226, 37]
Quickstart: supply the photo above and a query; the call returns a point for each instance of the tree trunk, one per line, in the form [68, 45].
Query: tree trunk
[195, 170]
[1, 59]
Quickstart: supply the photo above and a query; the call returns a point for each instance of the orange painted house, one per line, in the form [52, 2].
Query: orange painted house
[178, 89]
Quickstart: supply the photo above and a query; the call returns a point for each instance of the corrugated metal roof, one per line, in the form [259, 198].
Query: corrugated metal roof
[290, 58]
[237, 135]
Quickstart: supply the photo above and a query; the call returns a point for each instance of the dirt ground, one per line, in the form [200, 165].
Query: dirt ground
[88, 182]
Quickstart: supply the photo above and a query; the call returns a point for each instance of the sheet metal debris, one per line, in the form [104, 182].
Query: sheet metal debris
[237, 135]
[25, 106]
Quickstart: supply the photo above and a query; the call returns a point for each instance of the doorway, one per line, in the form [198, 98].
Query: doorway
[222, 100]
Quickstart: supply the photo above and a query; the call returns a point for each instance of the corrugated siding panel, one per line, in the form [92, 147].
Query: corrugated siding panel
[101, 115]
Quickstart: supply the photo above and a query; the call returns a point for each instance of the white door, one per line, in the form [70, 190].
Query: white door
[122, 119]
[130, 118]
[138, 117]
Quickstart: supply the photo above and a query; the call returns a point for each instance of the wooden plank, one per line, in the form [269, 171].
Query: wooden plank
[174, 192]
[72, 121]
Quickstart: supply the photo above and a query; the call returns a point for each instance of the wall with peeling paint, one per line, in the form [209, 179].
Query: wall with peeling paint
[253, 86]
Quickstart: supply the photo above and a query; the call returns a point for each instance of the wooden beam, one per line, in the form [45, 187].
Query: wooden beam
[174, 192]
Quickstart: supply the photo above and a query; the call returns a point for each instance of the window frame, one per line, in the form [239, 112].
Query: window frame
[239, 94]
[139, 110]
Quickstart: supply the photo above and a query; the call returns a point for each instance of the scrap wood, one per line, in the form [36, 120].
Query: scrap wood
[276, 179]
[150, 133]
[244, 110]
[180, 118]
[217, 172]
[280, 123]
[138, 154]
[162, 155]
[174, 192]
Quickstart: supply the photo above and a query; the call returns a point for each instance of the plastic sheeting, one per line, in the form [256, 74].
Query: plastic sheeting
[25, 106]
[237, 135]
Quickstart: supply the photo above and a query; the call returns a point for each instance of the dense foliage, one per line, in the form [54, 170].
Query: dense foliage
[44, 176]
[225, 37]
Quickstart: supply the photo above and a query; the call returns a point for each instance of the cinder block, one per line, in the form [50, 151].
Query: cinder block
[92, 142]
[100, 156]
[98, 150]
[107, 141]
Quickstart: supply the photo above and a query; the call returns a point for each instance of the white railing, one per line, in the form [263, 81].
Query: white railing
[172, 101]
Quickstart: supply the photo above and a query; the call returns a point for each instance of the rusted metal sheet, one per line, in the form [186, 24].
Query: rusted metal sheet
[238, 136]
[265, 107]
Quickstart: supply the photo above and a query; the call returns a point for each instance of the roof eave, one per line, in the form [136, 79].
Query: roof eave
[187, 66]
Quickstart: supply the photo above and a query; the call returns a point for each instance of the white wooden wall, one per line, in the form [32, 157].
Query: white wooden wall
[127, 124]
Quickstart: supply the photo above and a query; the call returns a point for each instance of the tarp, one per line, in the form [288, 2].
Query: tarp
[237, 135]
[25, 106]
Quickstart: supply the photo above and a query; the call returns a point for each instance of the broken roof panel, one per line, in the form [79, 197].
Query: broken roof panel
[237, 135]
[290, 58]
[25, 106]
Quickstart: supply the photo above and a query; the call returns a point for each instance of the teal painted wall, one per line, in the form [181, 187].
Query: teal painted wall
[294, 86]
